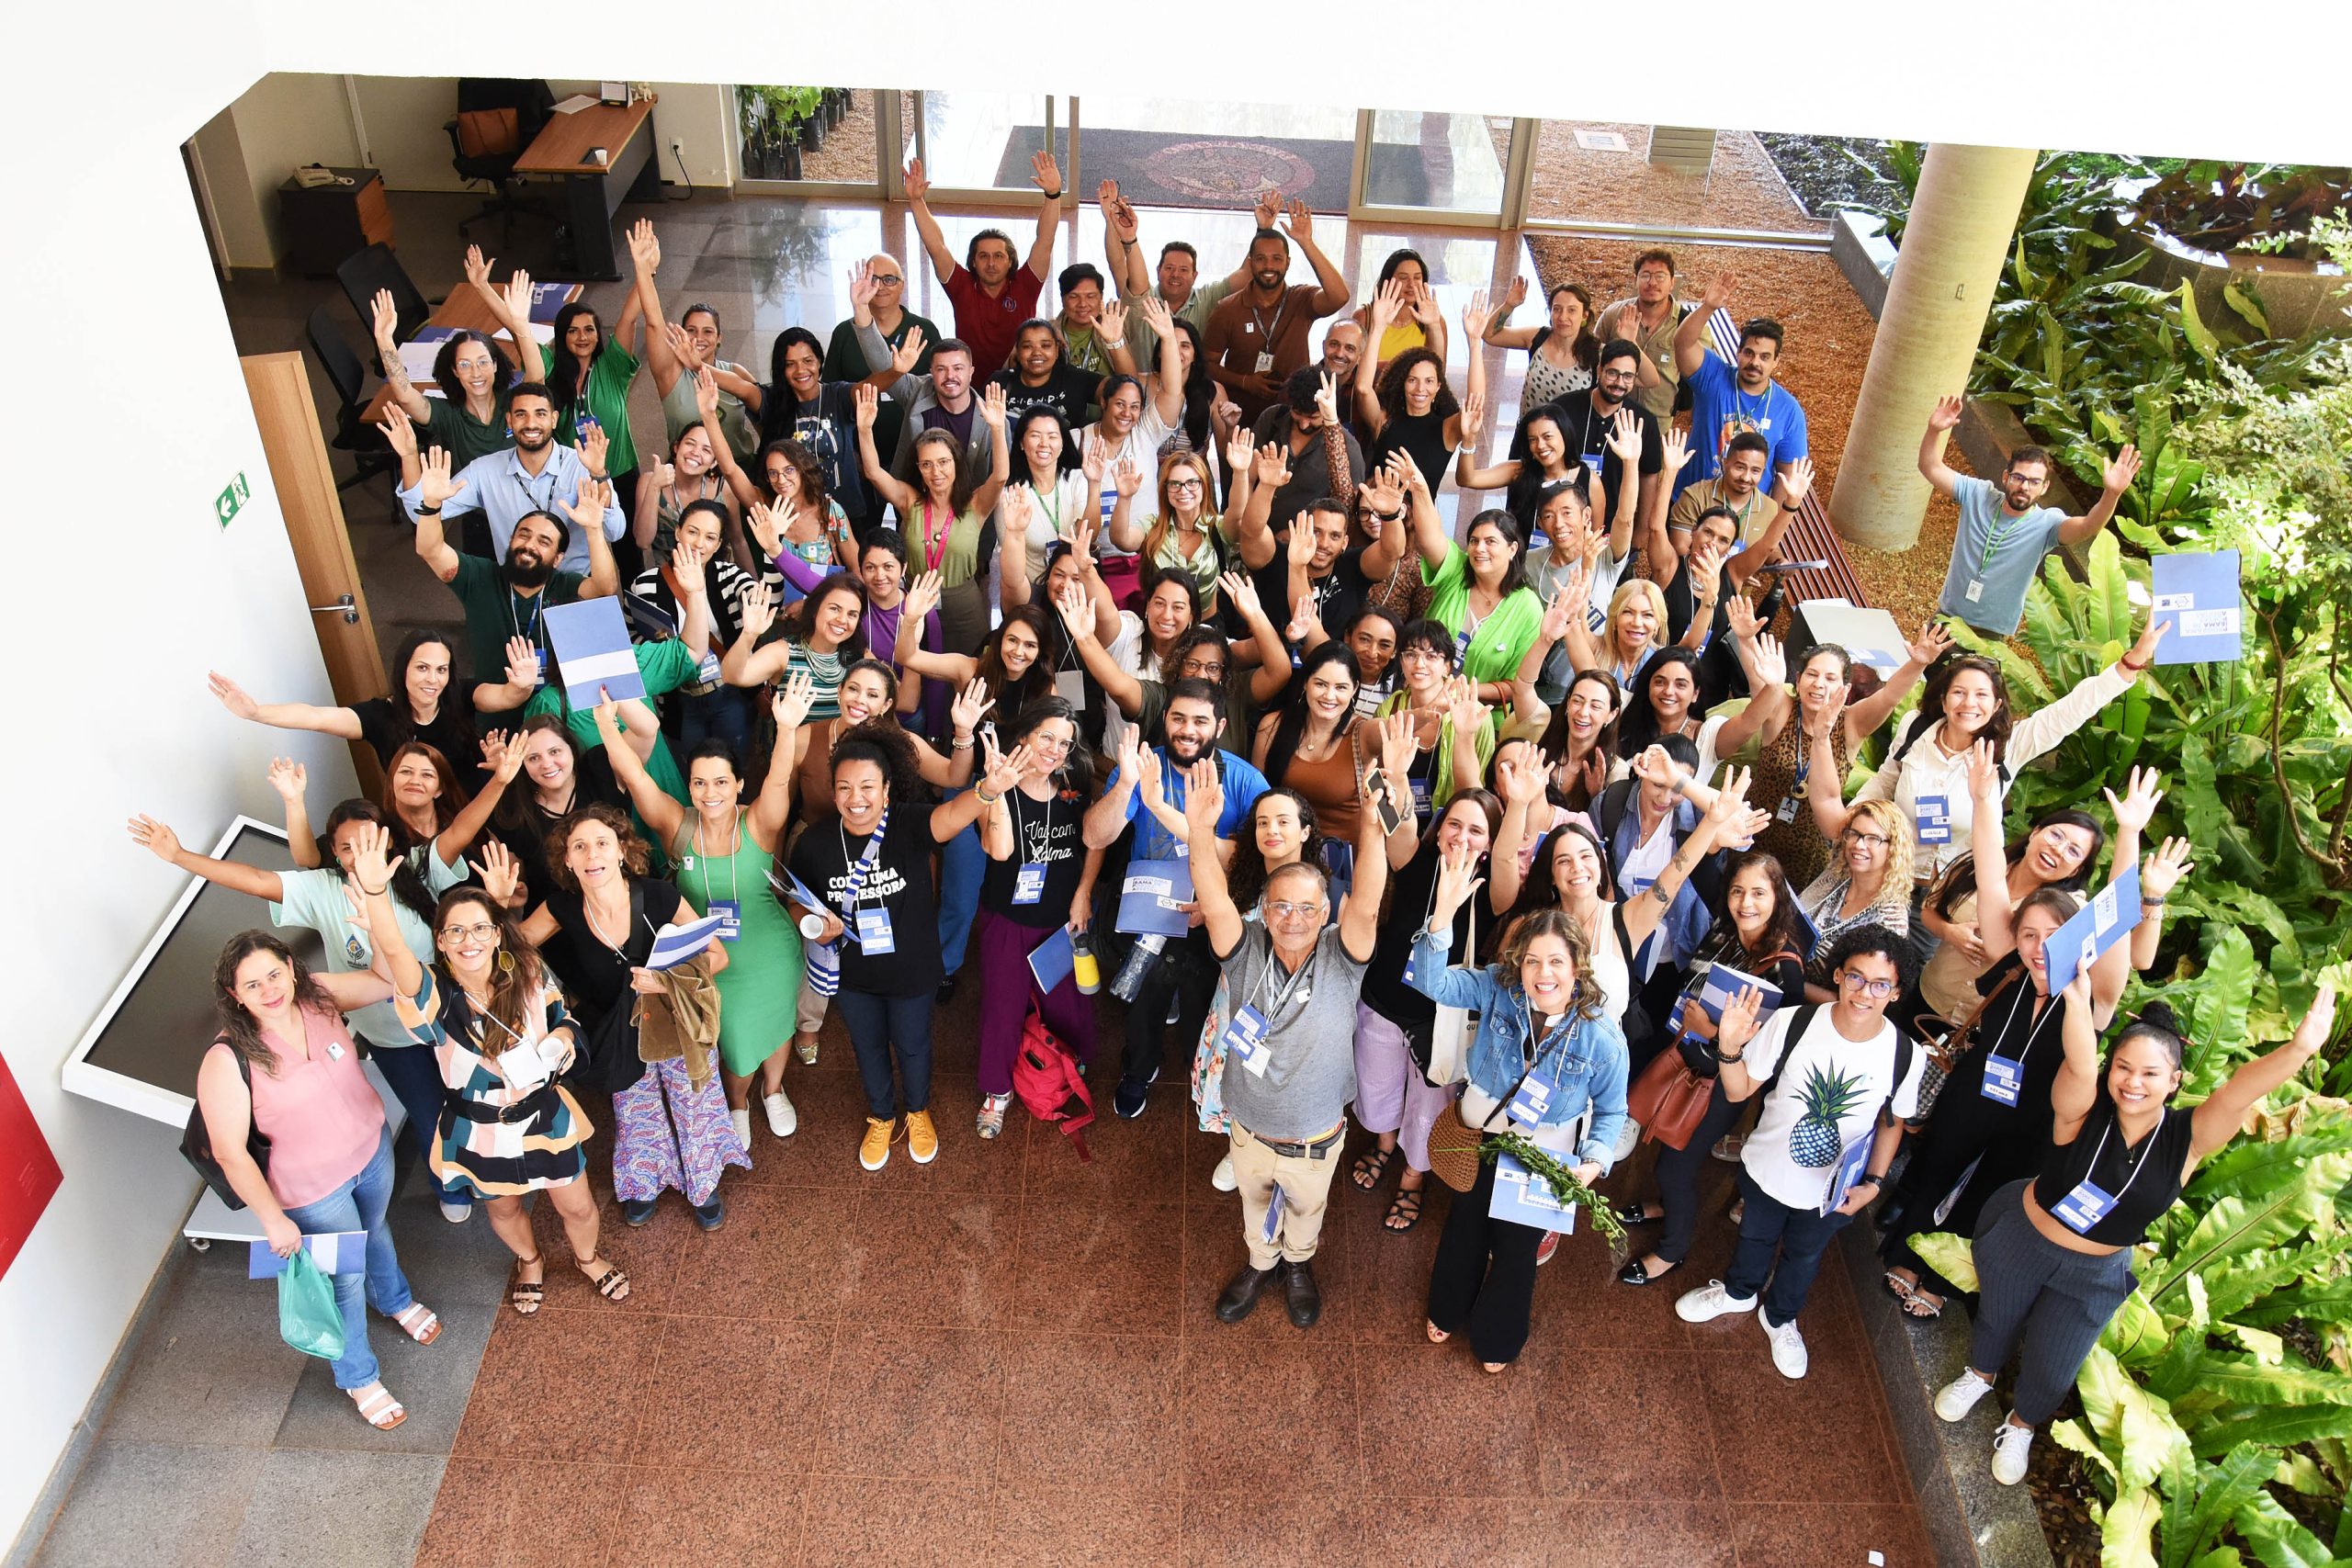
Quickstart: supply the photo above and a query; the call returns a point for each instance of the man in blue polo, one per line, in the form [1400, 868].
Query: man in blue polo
[537, 474]
[1727, 399]
[1186, 971]
[2003, 532]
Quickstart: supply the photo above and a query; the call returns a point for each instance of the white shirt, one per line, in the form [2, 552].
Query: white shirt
[1867, 1064]
[1130, 651]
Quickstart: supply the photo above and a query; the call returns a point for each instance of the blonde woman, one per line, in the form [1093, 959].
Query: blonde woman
[1635, 622]
[1182, 536]
[1867, 883]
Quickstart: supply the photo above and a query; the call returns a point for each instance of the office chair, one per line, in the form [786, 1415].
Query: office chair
[363, 271]
[353, 434]
[497, 118]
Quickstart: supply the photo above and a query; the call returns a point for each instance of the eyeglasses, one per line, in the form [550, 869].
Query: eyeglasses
[1868, 840]
[1183, 481]
[1867, 988]
[1285, 910]
[887, 279]
[470, 365]
[479, 932]
[1047, 743]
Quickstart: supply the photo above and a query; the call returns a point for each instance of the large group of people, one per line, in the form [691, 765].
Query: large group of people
[1132, 629]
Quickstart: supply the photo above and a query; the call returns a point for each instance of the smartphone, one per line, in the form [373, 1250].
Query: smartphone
[1376, 785]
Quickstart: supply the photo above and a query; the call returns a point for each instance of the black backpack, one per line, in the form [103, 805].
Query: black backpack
[1804, 1020]
[1915, 729]
[196, 1143]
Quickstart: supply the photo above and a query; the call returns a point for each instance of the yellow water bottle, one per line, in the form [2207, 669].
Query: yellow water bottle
[1082, 967]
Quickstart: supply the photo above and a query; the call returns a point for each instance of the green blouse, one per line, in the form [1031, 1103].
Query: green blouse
[1503, 638]
[607, 398]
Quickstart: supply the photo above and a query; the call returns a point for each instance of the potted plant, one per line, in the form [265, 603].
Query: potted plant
[774, 126]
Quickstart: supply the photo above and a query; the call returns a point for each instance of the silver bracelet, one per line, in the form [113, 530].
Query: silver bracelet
[963, 743]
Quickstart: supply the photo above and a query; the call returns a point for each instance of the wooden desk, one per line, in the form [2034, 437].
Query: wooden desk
[325, 224]
[593, 192]
[464, 308]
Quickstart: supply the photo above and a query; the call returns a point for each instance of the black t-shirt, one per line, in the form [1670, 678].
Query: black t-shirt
[595, 977]
[451, 733]
[1384, 991]
[897, 886]
[1422, 439]
[827, 426]
[1339, 593]
[1044, 832]
[1068, 390]
[1588, 435]
[523, 827]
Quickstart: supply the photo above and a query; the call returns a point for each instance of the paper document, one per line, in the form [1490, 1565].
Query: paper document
[2199, 589]
[1150, 896]
[590, 640]
[575, 103]
[2099, 925]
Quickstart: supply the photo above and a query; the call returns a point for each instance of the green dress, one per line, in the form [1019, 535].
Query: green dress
[762, 981]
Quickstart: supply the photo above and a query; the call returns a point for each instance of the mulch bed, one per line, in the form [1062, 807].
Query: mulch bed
[1830, 336]
[1742, 188]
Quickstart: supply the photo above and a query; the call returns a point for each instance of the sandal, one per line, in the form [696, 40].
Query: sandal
[1899, 1288]
[1436, 1335]
[1923, 1305]
[612, 1284]
[1405, 1206]
[1493, 1368]
[377, 1408]
[418, 1321]
[1370, 1166]
[526, 1293]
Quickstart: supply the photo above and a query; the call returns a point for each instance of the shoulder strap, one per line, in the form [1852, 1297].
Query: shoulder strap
[1610, 809]
[1911, 733]
[1799, 1022]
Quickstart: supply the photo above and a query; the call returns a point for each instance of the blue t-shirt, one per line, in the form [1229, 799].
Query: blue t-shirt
[1719, 410]
[1996, 554]
[1243, 785]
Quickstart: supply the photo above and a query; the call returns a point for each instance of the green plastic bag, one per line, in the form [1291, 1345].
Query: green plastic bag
[307, 1318]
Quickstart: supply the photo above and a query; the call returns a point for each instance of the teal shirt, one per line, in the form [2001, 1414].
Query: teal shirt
[606, 396]
[1996, 554]
[666, 666]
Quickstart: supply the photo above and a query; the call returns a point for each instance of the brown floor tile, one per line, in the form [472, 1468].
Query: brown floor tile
[780, 1257]
[1580, 1301]
[1467, 1532]
[1046, 1521]
[1141, 1161]
[1242, 1398]
[913, 1401]
[732, 1395]
[823, 1151]
[672, 1514]
[1214, 1252]
[851, 1522]
[943, 1259]
[966, 1163]
[1435, 1424]
[1804, 1534]
[1103, 1406]
[502, 1512]
[1247, 1527]
[561, 1385]
[1639, 1423]
[1651, 1534]
[1782, 1440]
[1114, 1267]
[646, 1253]
[1387, 1281]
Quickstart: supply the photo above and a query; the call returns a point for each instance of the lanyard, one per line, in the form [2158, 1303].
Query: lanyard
[620, 955]
[1281, 998]
[863, 866]
[2138, 1164]
[1021, 833]
[934, 549]
[2001, 523]
[1265, 332]
[704, 855]
[514, 616]
[1053, 508]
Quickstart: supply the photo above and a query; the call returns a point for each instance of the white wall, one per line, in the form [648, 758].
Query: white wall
[284, 119]
[403, 116]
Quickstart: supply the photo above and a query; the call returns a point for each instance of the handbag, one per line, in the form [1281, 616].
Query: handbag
[196, 1142]
[1670, 1100]
[1454, 1149]
[1941, 1058]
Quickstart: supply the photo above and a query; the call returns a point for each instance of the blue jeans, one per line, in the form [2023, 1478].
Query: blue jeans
[882, 1027]
[414, 1074]
[961, 861]
[1799, 1237]
[721, 714]
[359, 1205]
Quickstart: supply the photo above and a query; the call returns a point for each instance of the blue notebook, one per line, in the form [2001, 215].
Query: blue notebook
[2199, 589]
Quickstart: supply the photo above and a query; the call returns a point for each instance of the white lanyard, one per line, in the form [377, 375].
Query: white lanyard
[704, 855]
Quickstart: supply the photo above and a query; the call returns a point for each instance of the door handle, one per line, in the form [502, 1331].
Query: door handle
[345, 604]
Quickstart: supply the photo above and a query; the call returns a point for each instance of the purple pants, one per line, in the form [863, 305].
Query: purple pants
[1002, 948]
[1391, 1094]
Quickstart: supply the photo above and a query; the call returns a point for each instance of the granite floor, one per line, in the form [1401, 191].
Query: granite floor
[1006, 1356]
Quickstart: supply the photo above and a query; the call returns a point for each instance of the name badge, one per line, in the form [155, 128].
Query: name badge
[1029, 883]
[1246, 1037]
[1637, 886]
[1534, 1098]
[1265, 364]
[1420, 788]
[2003, 1078]
[1975, 590]
[2083, 1207]
[541, 655]
[1592, 461]
[334, 1050]
[731, 918]
[1789, 805]
[1461, 645]
[706, 673]
[1933, 815]
[1070, 686]
[873, 934]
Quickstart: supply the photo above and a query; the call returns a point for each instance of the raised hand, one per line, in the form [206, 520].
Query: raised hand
[1327, 400]
[862, 286]
[1675, 445]
[922, 597]
[2118, 475]
[1932, 643]
[1463, 707]
[2162, 872]
[1653, 766]
[1077, 611]
[594, 446]
[993, 409]
[1516, 295]
[706, 392]
[400, 432]
[1457, 879]
[287, 778]
[498, 870]
[519, 294]
[1267, 207]
[1112, 320]
[587, 508]
[1473, 417]
[1241, 593]
[1731, 800]
[152, 836]
[1300, 223]
[1271, 467]
[372, 859]
[1625, 438]
[2141, 794]
[1475, 315]
[1094, 460]
[680, 345]
[1397, 744]
[1154, 313]
[1524, 784]
[233, 696]
[1739, 1024]
[1127, 476]
[2143, 652]
[477, 267]
[1771, 659]
[1716, 295]
[757, 612]
[1422, 302]
[1240, 450]
[384, 321]
[1006, 771]
[687, 562]
[1045, 173]
[643, 254]
[1984, 776]
[917, 184]
[1945, 415]
[2317, 1025]
[865, 402]
[434, 484]
[1204, 794]
[766, 531]
[793, 700]
[970, 705]
[908, 355]
[1800, 481]
[1741, 613]
[1386, 306]
[522, 663]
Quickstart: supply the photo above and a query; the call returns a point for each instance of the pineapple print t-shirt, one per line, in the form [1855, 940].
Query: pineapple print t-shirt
[1828, 1094]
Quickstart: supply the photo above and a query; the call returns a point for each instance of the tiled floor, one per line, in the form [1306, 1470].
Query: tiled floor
[1006, 1356]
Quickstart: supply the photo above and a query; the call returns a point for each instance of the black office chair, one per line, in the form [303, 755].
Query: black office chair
[363, 271]
[364, 441]
[497, 118]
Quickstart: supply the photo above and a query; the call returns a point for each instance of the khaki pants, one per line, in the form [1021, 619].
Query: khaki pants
[1307, 1187]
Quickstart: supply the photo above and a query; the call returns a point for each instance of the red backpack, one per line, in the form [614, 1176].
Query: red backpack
[1047, 1079]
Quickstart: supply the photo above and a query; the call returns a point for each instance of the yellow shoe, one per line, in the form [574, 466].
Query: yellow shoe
[874, 1153]
[922, 1139]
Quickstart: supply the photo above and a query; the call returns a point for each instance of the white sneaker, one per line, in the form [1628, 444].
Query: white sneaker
[783, 1120]
[1222, 1178]
[742, 1121]
[1958, 1397]
[1709, 1301]
[1788, 1346]
[455, 1213]
[1629, 1138]
[2009, 1446]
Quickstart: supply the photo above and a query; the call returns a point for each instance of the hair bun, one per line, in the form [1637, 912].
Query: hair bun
[2159, 1015]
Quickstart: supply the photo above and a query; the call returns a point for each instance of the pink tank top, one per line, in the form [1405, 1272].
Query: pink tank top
[321, 1114]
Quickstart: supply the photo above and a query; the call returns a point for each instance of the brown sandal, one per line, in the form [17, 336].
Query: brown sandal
[525, 1295]
[612, 1284]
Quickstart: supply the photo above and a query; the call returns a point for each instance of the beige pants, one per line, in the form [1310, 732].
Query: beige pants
[1307, 1189]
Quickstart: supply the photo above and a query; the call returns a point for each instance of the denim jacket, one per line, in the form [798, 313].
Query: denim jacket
[1591, 1067]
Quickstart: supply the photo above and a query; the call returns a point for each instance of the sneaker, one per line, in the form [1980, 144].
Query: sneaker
[783, 1120]
[1222, 1178]
[742, 1122]
[805, 1047]
[873, 1149]
[2010, 1444]
[457, 1210]
[992, 1109]
[1728, 1147]
[1546, 1248]
[1128, 1101]
[637, 1211]
[923, 1138]
[1710, 1301]
[1958, 1397]
[1787, 1345]
[1175, 1011]
[711, 1216]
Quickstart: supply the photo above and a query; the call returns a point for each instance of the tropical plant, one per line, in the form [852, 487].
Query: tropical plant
[2213, 206]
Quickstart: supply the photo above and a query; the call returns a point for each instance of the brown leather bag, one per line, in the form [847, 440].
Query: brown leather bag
[1668, 1099]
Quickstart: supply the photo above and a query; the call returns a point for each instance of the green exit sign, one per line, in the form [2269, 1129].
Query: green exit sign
[233, 496]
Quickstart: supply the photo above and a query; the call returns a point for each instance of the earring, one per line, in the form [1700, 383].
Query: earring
[506, 962]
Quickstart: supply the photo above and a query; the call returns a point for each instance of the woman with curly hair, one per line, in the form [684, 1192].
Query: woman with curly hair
[1405, 406]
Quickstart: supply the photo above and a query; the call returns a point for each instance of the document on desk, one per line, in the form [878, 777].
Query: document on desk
[575, 103]
[418, 353]
[544, 332]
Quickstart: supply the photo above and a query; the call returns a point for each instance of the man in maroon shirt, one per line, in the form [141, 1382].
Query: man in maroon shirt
[1256, 335]
[990, 295]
